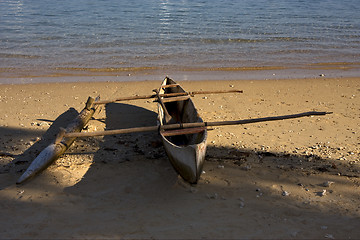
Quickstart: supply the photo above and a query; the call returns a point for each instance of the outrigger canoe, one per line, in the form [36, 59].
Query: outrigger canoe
[185, 148]
[182, 131]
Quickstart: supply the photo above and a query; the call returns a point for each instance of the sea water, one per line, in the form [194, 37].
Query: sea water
[188, 38]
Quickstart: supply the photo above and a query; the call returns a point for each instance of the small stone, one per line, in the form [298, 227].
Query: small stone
[330, 236]
[285, 193]
[231, 85]
[327, 183]
[212, 196]
[220, 166]
[247, 168]
[323, 193]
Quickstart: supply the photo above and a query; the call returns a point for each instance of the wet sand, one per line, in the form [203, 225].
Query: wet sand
[286, 179]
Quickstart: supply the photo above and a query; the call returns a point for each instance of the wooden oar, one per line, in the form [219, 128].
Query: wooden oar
[61, 144]
[166, 95]
[192, 125]
[160, 101]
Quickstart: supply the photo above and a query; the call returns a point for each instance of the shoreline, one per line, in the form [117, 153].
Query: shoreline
[315, 70]
[259, 180]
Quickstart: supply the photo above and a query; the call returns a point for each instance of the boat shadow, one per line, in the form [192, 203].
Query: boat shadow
[128, 159]
[132, 165]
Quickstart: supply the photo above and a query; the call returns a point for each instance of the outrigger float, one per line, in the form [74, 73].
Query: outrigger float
[182, 130]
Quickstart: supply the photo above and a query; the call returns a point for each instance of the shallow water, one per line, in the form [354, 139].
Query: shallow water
[43, 38]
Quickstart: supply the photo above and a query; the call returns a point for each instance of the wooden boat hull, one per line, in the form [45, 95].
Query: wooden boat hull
[186, 152]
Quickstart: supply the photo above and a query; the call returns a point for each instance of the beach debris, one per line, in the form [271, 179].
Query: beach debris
[212, 196]
[260, 193]
[242, 202]
[40, 124]
[285, 193]
[322, 193]
[329, 236]
[327, 184]
[6, 154]
[220, 166]
[247, 167]
[193, 190]
[322, 75]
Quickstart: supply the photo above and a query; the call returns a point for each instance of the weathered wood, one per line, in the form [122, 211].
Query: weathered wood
[170, 85]
[175, 99]
[165, 95]
[187, 152]
[160, 101]
[193, 125]
[126, 99]
[61, 144]
[215, 92]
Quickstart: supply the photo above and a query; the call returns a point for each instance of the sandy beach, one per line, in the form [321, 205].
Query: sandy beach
[288, 179]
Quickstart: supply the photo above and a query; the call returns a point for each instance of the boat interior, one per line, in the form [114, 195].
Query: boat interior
[182, 111]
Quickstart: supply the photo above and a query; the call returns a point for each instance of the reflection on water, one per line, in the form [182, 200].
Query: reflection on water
[48, 36]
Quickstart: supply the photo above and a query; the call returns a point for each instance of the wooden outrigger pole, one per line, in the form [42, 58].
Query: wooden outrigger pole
[166, 95]
[182, 126]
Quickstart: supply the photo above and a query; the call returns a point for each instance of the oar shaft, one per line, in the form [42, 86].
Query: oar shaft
[192, 125]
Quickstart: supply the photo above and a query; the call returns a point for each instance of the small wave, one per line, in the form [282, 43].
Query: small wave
[15, 55]
[109, 69]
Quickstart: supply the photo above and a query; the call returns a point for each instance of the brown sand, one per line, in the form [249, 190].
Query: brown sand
[262, 180]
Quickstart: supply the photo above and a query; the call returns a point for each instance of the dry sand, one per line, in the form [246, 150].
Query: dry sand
[264, 180]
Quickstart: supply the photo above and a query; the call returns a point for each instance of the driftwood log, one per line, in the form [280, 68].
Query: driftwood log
[61, 144]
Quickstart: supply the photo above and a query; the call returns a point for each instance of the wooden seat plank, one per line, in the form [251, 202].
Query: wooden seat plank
[184, 131]
[175, 99]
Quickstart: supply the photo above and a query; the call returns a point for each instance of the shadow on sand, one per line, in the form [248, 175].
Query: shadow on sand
[131, 191]
[18, 140]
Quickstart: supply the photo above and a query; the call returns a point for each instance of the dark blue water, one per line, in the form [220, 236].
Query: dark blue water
[115, 37]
